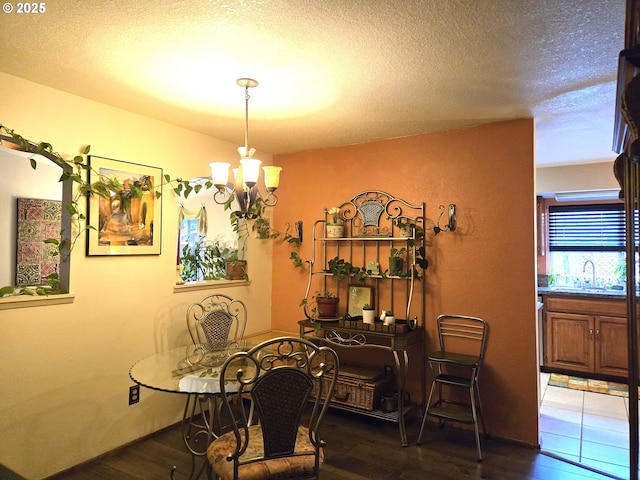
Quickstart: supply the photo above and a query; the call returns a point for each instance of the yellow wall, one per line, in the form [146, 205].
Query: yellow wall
[587, 176]
[64, 368]
[486, 268]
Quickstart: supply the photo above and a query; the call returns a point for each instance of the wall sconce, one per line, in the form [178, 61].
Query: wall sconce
[245, 189]
[449, 227]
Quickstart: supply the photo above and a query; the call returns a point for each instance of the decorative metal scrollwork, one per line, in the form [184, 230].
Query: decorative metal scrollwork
[351, 339]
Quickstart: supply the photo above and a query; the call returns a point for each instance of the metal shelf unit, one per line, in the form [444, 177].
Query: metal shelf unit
[375, 222]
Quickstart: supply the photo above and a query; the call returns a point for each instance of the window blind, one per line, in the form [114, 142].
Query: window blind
[580, 228]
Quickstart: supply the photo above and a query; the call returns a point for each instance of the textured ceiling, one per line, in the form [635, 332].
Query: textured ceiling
[336, 72]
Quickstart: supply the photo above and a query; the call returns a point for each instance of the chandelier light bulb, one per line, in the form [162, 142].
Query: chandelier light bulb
[219, 174]
[250, 171]
[271, 178]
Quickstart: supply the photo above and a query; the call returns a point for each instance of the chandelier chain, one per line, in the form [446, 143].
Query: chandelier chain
[246, 120]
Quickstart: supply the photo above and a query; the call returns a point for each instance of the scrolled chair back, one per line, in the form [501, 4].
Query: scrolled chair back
[216, 319]
[284, 380]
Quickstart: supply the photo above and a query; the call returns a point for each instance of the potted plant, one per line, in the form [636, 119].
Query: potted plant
[342, 269]
[389, 319]
[335, 227]
[236, 263]
[206, 260]
[236, 268]
[396, 261]
[368, 314]
[327, 304]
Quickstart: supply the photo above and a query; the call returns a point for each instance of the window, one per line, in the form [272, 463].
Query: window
[205, 231]
[587, 228]
[189, 234]
[582, 233]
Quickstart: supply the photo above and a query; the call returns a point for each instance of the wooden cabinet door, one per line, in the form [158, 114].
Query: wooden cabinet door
[611, 345]
[569, 341]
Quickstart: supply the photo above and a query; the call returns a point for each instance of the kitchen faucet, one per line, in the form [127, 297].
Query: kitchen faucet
[593, 272]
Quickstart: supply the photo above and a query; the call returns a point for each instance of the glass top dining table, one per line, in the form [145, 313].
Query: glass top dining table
[192, 370]
[189, 369]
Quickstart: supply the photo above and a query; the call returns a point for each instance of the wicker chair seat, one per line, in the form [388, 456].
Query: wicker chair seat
[289, 467]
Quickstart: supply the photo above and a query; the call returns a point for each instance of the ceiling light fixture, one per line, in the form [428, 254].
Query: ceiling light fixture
[245, 188]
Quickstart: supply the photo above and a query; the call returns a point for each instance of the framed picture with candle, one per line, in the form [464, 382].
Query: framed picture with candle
[129, 220]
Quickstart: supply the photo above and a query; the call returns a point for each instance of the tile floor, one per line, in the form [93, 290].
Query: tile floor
[585, 427]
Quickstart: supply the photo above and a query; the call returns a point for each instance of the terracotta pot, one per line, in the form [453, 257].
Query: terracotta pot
[327, 307]
[236, 269]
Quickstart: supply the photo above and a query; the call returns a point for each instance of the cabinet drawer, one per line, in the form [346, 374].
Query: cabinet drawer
[583, 305]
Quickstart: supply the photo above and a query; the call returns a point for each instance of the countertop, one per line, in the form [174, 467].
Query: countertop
[582, 292]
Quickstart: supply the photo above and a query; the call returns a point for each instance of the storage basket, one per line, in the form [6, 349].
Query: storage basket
[360, 387]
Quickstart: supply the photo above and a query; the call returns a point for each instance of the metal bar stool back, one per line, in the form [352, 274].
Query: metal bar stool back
[454, 367]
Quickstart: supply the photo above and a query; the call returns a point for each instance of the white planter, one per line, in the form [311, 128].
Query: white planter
[179, 280]
[335, 231]
[369, 316]
[389, 320]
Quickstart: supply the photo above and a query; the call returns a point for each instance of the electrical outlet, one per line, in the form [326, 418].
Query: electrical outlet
[134, 394]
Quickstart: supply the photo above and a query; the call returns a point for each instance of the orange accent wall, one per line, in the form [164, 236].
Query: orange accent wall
[485, 268]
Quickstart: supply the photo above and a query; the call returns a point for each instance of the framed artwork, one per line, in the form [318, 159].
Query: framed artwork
[359, 295]
[38, 220]
[124, 224]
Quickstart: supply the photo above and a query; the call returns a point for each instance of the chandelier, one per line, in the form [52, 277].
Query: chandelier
[245, 185]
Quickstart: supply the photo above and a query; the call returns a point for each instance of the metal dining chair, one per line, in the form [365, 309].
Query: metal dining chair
[456, 366]
[280, 378]
[216, 321]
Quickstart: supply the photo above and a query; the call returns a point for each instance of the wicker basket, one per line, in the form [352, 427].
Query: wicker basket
[360, 388]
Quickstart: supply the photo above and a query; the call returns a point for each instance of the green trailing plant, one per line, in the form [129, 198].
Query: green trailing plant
[76, 170]
[51, 286]
[396, 261]
[397, 252]
[262, 226]
[254, 221]
[405, 224]
[342, 269]
[297, 259]
[421, 259]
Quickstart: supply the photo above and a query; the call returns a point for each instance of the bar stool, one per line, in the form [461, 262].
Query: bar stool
[456, 365]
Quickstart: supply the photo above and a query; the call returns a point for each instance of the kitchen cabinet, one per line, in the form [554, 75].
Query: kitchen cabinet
[611, 345]
[586, 335]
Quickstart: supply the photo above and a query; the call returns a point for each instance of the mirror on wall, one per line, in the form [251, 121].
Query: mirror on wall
[42, 195]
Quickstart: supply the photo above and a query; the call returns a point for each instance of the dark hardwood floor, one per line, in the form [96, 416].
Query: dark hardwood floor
[358, 448]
